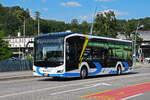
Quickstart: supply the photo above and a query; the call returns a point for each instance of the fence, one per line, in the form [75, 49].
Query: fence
[20, 65]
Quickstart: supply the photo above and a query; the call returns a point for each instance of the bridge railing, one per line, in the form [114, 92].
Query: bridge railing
[15, 65]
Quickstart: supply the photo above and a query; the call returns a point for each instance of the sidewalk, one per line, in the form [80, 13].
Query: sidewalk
[138, 65]
[14, 75]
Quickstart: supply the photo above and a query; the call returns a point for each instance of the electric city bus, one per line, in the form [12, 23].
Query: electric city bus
[67, 54]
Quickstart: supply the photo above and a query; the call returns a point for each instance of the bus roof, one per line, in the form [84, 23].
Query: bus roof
[63, 34]
[107, 38]
[59, 34]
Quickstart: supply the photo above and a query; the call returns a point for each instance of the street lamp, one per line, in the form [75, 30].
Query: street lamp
[134, 55]
[19, 34]
[92, 26]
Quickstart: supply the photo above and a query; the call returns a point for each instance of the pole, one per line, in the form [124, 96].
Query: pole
[24, 36]
[91, 30]
[134, 57]
[24, 27]
[19, 34]
[38, 26]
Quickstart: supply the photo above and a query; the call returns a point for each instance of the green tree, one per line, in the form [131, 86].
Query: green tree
[84, 27]
[37, 22]
[37, 15]
[105, 24]
[5, 53]
[74, 25]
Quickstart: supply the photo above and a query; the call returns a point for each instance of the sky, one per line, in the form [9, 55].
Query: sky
[66, 10]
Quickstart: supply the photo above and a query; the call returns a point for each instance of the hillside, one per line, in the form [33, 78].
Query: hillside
[12, 21]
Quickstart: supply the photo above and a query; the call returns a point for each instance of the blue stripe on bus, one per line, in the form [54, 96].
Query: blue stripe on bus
[71, 74]
[126, 65]
[112, 72]
[99, 68]
[37, 71]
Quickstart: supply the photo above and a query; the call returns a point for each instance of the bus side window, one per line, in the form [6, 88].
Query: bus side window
[67, 51]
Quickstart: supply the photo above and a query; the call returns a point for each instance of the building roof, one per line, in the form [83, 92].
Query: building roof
[145, 35]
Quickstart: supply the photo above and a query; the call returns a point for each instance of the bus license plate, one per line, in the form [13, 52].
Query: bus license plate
[45, 74]
[46, 71]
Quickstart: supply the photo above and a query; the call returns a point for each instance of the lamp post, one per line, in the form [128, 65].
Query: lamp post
[92, 26]
[134, 55]
[19, 34]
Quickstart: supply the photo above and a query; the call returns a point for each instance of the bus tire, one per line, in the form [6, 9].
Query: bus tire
[119, 70]
[83, 73]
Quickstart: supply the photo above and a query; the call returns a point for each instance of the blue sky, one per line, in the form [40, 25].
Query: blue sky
[66, 10]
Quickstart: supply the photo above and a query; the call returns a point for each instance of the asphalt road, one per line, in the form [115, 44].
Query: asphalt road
[77, 89]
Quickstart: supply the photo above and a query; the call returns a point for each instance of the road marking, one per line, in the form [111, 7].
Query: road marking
[75, 84]
[94, 94]
[95, 85]
[140, 83]
[78, 89]
[132, 96]
[122, 93]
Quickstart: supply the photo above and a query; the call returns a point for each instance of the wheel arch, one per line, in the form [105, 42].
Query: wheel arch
[84, 64]
[119, 63]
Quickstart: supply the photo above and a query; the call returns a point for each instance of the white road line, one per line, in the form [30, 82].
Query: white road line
[87, 86]
[75, 84]
[69, 90]
[132, 96]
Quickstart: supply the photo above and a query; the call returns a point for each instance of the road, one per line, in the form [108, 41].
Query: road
[77, 89]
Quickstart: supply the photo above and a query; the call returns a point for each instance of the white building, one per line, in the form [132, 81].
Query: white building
[18, 44]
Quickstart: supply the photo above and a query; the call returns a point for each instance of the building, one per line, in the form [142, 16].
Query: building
[18, 45]
[145, 44]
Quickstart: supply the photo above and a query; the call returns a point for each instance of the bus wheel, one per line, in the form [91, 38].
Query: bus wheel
[119, 70]
[83, 73]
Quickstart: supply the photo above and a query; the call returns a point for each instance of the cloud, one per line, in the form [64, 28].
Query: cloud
[84, 17]
[121, 13]
[105, 0]
[117, 13]
[45, 9]
[70, 4]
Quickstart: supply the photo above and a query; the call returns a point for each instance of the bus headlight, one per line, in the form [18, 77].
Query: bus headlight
[60, 71]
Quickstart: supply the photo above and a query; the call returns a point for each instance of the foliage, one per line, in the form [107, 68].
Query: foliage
[5, 53]
[105, 24]
[29, 58]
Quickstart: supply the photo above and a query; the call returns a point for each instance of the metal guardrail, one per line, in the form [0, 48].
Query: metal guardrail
[15, 65]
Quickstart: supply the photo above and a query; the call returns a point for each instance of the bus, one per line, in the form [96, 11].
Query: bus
[67, 54]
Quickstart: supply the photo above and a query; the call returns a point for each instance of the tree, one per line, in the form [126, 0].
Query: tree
[74, 25]
[84, 27]
[37, 15]
[105, 24]
[37, 20]
[5, 53]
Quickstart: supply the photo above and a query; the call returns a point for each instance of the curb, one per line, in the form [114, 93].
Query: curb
[15, 77]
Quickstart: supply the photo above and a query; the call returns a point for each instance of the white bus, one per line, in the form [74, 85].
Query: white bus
[67, 54]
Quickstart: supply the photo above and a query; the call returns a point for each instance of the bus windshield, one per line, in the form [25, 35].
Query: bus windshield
[49, 52]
